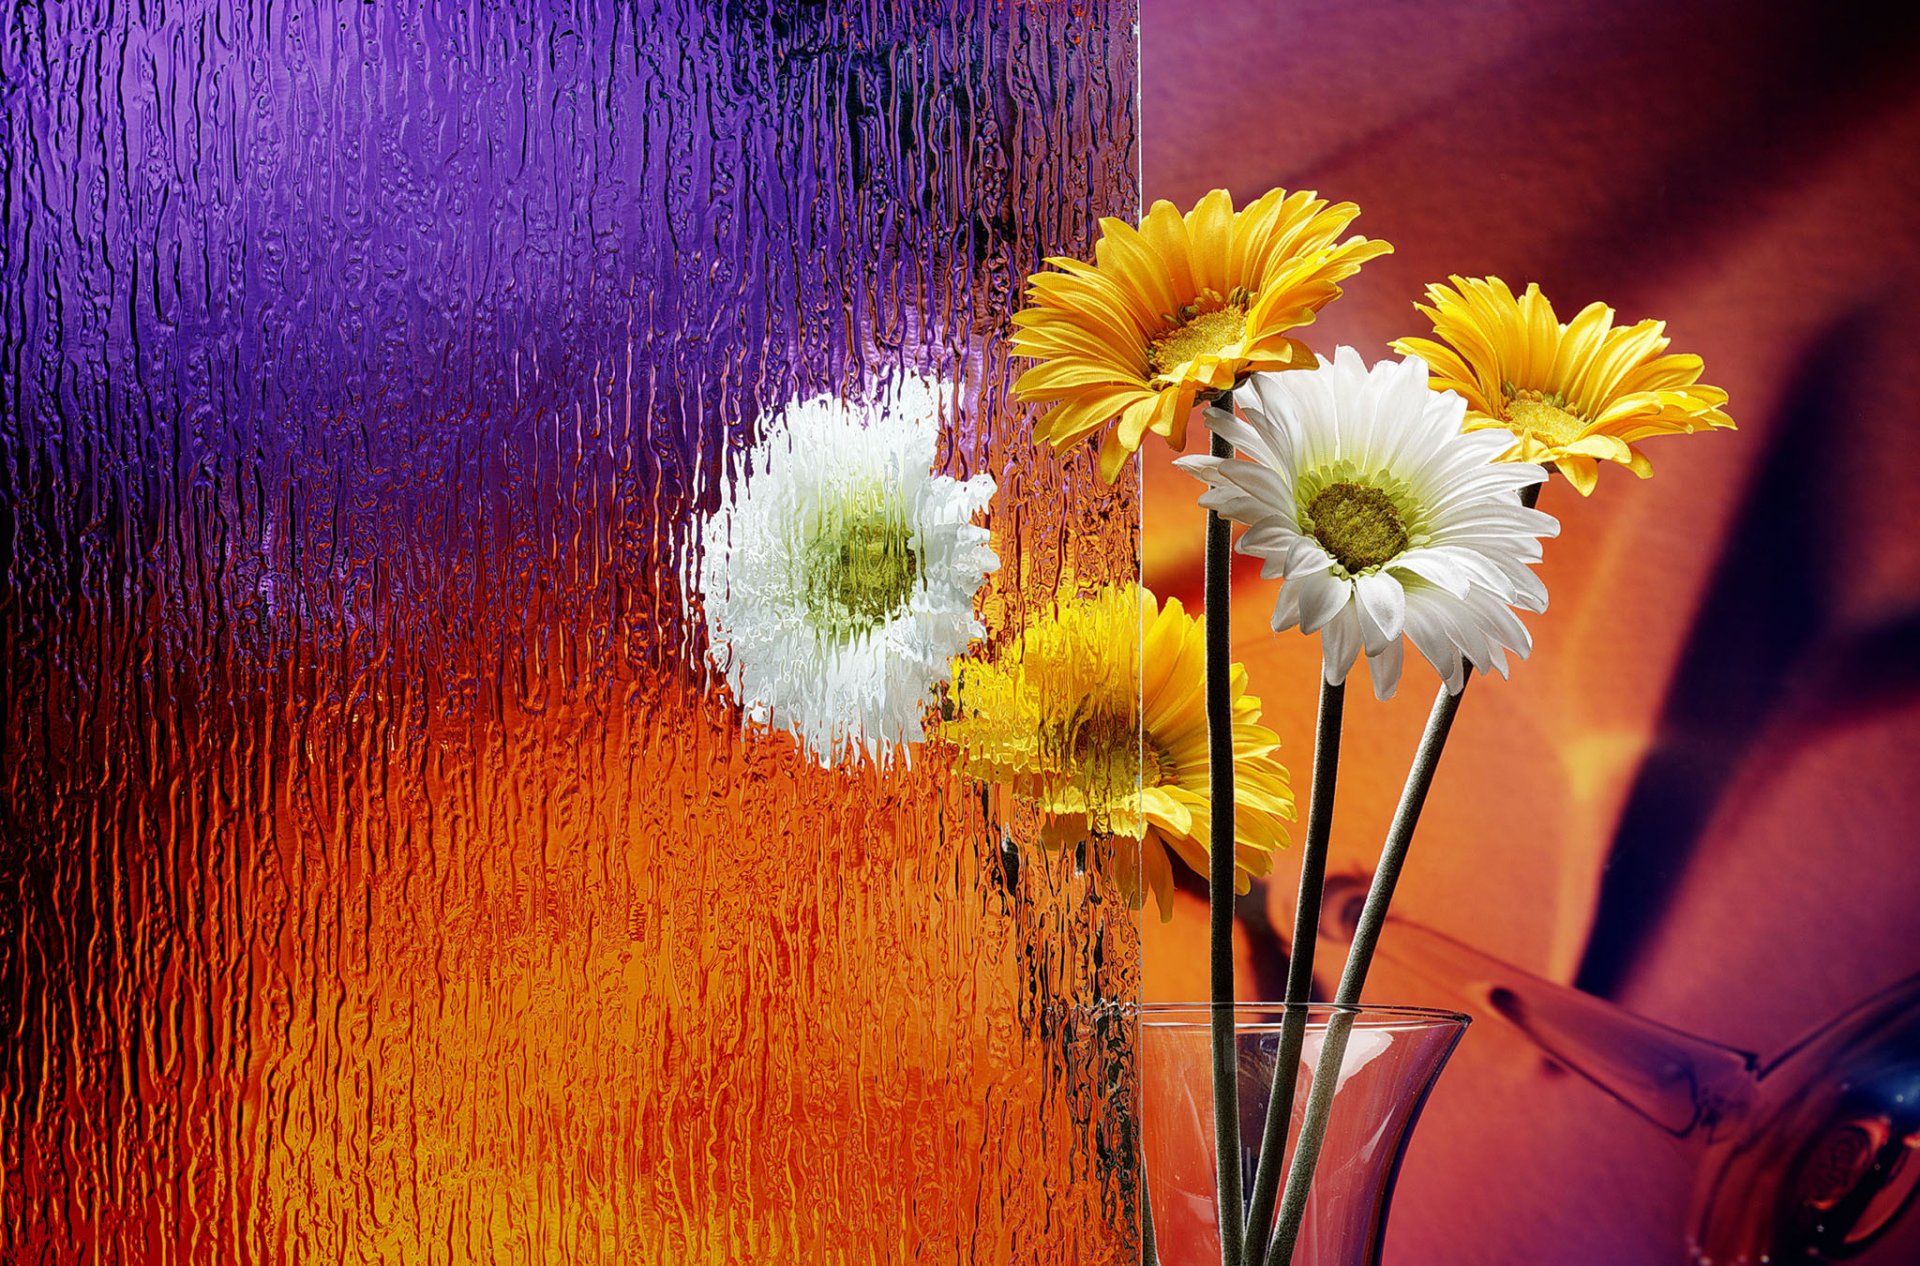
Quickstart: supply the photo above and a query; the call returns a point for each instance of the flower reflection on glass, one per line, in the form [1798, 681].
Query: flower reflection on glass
[838, 574]
[1360, 491]
[1573, 394]
[1053, 717]
[1181, 307]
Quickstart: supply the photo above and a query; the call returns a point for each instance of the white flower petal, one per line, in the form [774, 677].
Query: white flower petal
[1340, 645]
[1427, 631]
[1286, 607]
[1383, 610]
[1264, 444]
[1229, 502]
[1385, 669]
[1322, 596]
[842, 693]
[1287, 553]
[1437, 567]
[1454, 594]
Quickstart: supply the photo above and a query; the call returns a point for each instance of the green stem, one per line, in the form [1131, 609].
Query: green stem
[1373, 915]
[1226, 1075]
[1306, 923]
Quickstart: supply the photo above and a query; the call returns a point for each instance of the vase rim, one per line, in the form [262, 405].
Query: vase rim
[1257, 1014]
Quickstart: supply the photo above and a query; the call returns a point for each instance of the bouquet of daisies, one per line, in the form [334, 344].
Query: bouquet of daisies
[1393, 501]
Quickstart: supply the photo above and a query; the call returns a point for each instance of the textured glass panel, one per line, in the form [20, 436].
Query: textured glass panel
[386, 872]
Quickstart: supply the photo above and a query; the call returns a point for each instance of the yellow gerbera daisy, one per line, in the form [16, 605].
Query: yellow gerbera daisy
[1573, 394]
[1183, 305]
[1054, 718]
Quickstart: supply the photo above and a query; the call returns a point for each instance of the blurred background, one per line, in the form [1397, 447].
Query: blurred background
[1695, 804]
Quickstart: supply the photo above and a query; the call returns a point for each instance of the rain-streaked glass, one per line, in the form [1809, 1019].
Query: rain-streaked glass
[387, 869]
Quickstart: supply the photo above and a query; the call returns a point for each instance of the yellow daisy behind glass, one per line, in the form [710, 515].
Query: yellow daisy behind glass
[1574, 394]
[1054, 719]
[1182, 306]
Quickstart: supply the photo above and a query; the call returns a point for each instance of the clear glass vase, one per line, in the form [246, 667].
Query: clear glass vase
[1393, 1058]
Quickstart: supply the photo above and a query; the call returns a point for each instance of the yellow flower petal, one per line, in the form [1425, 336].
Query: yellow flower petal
[1102, 723]
[1573, 394]
[1183, 305]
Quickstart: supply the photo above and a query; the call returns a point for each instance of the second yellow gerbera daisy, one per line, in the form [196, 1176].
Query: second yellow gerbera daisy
[1054, 718]
[1573, 394]
[1182, 306]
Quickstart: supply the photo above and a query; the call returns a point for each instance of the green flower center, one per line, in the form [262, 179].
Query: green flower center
[1358, 524]
[859, 569]
[1544, 414]
[1208, 326]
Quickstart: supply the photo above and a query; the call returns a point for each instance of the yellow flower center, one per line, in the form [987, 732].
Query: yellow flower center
[1358, 524]
[1156, 769]
[1544, 414]
[1105, 754]
[1208, 326]
[1110, 765]
[858, 570]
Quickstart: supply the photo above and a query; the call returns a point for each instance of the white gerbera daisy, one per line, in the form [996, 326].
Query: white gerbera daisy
[1361, 492]
[838, 576]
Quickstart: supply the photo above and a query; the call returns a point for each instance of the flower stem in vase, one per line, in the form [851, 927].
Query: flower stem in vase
[1220, 868]
[1306, 917]
[1366, 936]
[1149, 1250]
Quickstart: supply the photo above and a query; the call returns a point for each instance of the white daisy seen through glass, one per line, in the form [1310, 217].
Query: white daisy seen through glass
[838, 574]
